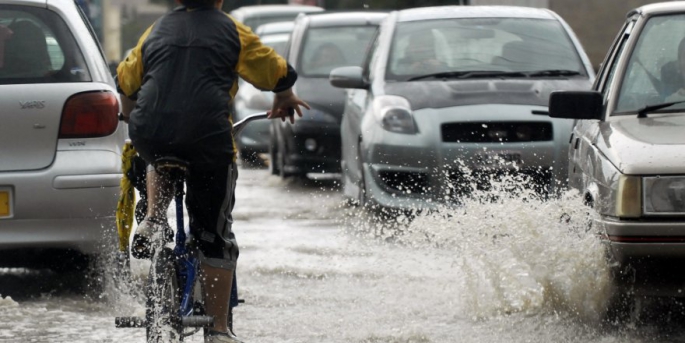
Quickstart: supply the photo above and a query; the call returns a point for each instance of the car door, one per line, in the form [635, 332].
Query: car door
[350, 127]
[581, 152]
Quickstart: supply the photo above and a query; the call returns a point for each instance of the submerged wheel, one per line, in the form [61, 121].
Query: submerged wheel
[273, 154]
[162, 312]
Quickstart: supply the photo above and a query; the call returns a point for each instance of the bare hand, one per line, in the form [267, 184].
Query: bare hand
[286, 104]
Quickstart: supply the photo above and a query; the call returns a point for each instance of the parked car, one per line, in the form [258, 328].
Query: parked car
[318, 44]
[60, 138]
[454, 96]
[254, 139]
[627, 150]
[254, 16]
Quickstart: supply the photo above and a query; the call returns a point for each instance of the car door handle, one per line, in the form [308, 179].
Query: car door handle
[577, 143]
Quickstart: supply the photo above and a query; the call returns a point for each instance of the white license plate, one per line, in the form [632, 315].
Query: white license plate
[498, 158]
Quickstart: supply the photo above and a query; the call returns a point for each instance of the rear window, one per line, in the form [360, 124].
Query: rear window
[36, 46]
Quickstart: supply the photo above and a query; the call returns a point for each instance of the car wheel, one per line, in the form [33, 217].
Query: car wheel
[361, 197]
[251, 158]
[273, 153]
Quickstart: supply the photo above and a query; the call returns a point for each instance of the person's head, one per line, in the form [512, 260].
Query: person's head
[327, 54]
[421, 46]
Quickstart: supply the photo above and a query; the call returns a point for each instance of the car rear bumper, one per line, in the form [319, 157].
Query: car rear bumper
[86, 235]
[71, 204]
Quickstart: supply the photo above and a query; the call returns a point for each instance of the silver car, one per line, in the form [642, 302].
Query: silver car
[454, 97]
[627, 151]
[60, 139]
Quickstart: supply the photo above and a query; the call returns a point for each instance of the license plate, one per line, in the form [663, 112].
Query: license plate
[498, 158]
[4, 203]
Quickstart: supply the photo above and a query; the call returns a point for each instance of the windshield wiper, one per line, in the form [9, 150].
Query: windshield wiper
[553, 72]
[642, 113]
[469, 74]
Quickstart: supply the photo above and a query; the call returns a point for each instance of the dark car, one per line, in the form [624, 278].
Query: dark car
[254, 139]
[319, 43]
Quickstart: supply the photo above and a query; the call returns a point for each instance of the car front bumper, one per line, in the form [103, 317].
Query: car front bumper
[648, 254]
[424, 170]
[313, 147]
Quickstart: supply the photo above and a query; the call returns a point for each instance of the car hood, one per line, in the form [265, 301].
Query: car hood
[644, 146]
[320, 95]
[440, 94]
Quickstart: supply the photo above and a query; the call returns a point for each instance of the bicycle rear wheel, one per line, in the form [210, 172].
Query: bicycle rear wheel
[162, 312]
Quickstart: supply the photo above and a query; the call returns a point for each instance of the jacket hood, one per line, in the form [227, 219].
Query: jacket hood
[646, 146]
[440, 94]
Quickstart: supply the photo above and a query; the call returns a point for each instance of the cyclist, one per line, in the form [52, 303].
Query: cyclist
[176, 85]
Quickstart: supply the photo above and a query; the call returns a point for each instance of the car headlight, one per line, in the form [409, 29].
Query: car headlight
[628, 200]
[664, 195]
[394, 114]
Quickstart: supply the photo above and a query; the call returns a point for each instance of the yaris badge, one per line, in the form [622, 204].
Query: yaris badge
[37, 104]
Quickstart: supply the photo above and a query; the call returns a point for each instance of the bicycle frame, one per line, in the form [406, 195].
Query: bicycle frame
[187, 263]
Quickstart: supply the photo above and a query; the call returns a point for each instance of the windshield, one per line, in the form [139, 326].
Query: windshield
[325, 49]
[481, 44]
[654, 72]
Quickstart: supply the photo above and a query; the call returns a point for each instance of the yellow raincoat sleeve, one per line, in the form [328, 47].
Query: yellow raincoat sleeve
[258, 64]
[130, 70]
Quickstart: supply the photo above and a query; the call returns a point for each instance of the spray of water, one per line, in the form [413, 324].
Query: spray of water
[514, 251]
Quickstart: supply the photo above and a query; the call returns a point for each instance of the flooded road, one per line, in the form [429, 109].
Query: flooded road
[313, 269]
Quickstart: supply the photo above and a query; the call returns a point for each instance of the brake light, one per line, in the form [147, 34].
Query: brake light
[87, 115]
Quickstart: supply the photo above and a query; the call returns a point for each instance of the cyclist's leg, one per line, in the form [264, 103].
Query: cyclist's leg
[210, 198]
[160, 191]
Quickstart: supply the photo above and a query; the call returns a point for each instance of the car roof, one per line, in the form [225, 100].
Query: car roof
[273, 10]
[42, 3]
[345, 18]
[273, 28]
[658, 8]
[450, 12]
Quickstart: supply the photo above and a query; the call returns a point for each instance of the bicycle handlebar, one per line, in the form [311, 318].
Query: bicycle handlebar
[239, 126]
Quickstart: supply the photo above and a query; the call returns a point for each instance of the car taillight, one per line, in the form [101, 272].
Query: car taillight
[87, 115]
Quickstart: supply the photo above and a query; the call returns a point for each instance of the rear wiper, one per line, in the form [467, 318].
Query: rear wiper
[642, 113]
[469, 74]
[553, 72]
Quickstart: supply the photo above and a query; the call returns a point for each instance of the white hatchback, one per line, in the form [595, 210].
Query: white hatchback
[60, 139]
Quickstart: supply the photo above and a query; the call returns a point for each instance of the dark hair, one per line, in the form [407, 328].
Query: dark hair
[198, 3]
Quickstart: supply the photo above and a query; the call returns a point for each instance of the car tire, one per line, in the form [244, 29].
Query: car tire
[251, 158]
[361, 197]
[273, 153]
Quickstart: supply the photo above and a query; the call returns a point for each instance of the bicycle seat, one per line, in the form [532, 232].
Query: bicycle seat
[167, 163]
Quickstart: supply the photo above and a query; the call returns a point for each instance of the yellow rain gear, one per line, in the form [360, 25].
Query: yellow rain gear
[127, 199]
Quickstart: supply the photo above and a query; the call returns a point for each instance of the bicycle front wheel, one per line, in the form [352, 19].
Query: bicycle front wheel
[162, 314]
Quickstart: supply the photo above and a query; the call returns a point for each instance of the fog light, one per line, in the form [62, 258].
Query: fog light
[310, 144]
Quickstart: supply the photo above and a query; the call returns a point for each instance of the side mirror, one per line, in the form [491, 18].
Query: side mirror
[576, 105]
[347, 77]
[258, 101]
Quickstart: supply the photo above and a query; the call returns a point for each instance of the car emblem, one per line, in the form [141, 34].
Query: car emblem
[37, 104]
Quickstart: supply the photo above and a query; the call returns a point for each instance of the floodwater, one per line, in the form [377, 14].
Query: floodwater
[314, 269]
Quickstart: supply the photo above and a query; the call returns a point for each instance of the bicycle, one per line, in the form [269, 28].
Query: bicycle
[172, 291]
